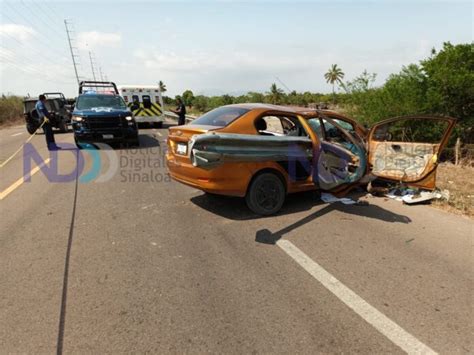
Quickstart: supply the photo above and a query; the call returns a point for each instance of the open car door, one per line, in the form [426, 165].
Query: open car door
[406, 149]
[340, 160]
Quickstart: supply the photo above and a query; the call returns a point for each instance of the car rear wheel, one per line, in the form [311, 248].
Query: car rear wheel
[266, 194]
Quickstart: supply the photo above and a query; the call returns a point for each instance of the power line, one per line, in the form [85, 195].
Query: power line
[53, 20]
[29, 70]
[35, 34]
[36, 17]
[14, 58]
[53, 10]
[32, 49]
[282, 83]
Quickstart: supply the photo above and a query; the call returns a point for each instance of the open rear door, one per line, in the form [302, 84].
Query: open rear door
[406, 149]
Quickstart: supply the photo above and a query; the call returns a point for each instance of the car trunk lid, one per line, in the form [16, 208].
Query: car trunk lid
[179, 137]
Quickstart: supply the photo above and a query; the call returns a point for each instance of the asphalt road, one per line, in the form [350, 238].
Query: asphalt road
[129, 265]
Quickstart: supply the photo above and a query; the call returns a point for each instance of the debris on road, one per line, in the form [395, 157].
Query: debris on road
[412, 196]
[329, 198]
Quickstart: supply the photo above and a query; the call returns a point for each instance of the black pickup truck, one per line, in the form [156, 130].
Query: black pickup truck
[56, 104]
[101, 115]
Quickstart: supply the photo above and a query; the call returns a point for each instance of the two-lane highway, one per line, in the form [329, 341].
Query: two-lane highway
[139, 263]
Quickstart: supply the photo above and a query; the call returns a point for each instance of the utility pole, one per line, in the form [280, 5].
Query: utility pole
[92, 66]
[71, 48]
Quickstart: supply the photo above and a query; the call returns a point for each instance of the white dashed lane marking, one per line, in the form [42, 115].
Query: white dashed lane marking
[378, 320]
[17, 134]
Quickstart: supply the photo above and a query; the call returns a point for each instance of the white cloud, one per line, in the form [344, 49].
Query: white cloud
[20, 32]
[241, 70]
[95, 39]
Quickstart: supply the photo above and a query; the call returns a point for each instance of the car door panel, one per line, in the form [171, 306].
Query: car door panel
[405, 150]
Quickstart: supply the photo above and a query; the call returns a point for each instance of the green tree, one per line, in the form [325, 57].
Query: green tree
[227, 99]
[450, 85]
[162, 87]
[334, 75]
[275, 94]
[188, 98]
[361, 83]
[255, 97]
[201, 103]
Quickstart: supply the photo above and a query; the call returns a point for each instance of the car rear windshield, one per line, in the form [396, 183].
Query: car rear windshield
[86, 102]
[220, 117]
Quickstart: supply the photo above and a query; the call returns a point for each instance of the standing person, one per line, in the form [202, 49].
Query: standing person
[44, 115]
[180, 111]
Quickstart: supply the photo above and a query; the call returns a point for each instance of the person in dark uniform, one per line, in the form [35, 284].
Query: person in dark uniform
[44, 115]
[180, 111]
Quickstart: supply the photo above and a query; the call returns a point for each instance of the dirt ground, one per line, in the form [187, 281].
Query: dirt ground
[459, 181]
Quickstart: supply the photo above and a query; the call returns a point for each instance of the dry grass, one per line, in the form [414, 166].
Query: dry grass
[459, 181]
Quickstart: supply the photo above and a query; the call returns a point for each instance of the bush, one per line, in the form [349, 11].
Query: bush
[11, 109]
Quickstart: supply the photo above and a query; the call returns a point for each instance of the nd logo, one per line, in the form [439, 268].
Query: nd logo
[51, 171]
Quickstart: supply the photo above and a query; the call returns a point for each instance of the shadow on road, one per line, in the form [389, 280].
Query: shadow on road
[368, 211]
[235, 208]
[146, 141]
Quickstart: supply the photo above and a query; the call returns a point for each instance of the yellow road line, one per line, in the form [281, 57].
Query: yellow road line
[21, 180]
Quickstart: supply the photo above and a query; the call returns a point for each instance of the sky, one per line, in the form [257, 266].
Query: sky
[219, 47]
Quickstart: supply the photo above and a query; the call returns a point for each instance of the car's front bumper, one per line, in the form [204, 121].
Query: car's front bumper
[126, 134]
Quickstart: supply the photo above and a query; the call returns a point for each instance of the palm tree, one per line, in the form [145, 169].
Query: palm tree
[162, 86]
[334, 75]
[275, 94]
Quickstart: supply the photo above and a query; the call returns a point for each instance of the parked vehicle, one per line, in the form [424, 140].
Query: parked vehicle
[263, 152]
[56, 104]
[101, 115]
[145, 102]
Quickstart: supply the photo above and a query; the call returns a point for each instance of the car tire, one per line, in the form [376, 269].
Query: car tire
[266, 194]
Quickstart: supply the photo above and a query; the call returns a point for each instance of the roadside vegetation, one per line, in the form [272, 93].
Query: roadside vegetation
[11, 110]
[442, 84]
[457, 179]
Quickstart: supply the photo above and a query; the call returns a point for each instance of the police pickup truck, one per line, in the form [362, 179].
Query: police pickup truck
[101, 115]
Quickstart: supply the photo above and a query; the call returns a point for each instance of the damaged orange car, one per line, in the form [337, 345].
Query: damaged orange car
[264, 152]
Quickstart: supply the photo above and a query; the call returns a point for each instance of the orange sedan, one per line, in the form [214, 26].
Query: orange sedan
[263, 152]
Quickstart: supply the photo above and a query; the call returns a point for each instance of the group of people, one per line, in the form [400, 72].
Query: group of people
[44, 117]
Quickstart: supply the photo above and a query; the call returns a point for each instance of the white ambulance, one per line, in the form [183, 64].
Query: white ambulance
[145, 102]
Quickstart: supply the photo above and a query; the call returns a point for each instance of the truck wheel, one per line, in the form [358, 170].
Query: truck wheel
[31, 128]
[63, 127]
[266, 194]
